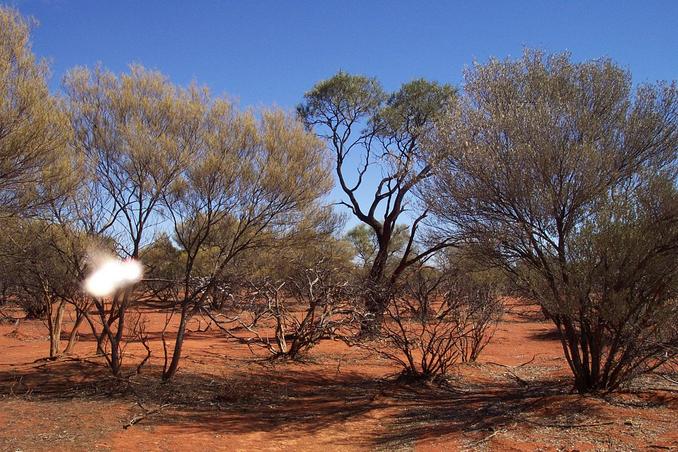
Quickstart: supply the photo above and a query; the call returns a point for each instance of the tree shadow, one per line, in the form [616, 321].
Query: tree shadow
[524, 315]
[432, 415]
[281, 400]
[156, 336]
[546, 335]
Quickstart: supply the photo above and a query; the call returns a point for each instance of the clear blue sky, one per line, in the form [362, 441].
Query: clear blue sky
[270, 52]
[264, 52]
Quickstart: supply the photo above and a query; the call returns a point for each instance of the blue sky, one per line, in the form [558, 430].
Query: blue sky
[265, 52]
[270, 52]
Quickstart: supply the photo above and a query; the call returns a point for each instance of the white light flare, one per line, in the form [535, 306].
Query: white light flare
[111, 274]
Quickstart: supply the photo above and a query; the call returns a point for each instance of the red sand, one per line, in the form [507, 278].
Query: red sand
[517, 397]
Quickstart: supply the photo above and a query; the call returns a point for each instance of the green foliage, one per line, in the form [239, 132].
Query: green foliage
[384, 134]
[162, 259]
[554, 177]
[365, 245]
[34, 164]
[44, 262]
[561, 175]
[414, 109]
[350, 97]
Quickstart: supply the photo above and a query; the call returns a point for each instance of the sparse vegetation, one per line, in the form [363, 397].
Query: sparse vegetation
[535, 204]
[439, 319]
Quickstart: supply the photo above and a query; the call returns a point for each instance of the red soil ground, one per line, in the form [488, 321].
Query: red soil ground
[517, 397]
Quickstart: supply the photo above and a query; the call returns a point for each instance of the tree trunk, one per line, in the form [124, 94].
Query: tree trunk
[55, 321]
[101, 344]
[116, 359]
[280, 337]
[376, 296]
[73, 336]
[171, 370]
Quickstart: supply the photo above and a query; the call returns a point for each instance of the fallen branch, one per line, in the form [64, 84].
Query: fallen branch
[139, 417]
[512, 373]
[475, 444]
[62, 358]
[515, 367]
[565, 426]
[528, 362]
[669, 379]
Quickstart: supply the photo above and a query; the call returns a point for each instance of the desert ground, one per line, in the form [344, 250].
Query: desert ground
[518, 396]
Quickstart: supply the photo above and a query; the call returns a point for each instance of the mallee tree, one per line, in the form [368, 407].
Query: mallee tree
[376, 139]
[564, 176]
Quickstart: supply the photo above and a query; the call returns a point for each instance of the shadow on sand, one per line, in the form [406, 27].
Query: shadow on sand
[280, 400]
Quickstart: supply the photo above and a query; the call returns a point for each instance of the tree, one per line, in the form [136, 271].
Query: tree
[33, 127]
[297, 312]
[162, 260]
[365, 245]
[251, 185]
[382, 135]
[44, 265]
[313, 242]
[35, 171]
[438, 318]
[135, 134]
[562, 175]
